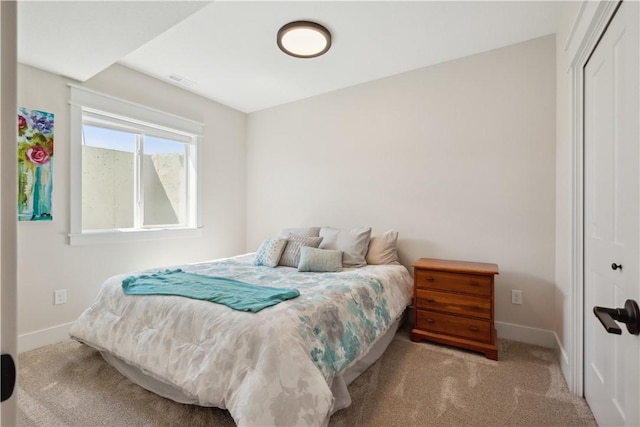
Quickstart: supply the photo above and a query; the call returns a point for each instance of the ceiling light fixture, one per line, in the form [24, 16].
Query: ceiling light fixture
[304, 39]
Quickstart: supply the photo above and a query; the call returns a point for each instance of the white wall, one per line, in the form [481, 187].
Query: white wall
[46, 262]
[458, 157]
[564, 294]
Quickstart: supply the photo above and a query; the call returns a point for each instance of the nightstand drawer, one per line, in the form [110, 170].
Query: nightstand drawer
[466, 283]
[477, 330]
[453, 303]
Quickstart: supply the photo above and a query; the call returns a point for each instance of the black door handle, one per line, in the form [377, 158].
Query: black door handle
[615, 266]
[629, 315]
[8, 376]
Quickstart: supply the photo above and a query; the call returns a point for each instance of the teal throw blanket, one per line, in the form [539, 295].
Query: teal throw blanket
[237, 295]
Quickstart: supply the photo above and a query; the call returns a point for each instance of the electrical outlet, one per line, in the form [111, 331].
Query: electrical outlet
[516, 297]
[60, 296]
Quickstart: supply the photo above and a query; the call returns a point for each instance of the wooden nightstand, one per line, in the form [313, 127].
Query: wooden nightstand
[454, 304]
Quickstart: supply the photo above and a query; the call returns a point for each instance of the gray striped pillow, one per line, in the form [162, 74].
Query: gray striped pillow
[291, 255]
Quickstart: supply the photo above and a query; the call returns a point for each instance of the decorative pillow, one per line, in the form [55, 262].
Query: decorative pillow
[383, 249]
[301, 231]
[270, 251]
[353, 244]
[319, 260]
[291, 255]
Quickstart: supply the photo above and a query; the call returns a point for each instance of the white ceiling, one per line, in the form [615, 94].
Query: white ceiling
[226, 50]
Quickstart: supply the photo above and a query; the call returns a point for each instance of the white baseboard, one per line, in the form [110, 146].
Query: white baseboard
[53, 335]
[563, 357]
[526, 334]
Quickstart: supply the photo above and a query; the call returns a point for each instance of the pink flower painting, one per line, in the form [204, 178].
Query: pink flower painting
[35, 165]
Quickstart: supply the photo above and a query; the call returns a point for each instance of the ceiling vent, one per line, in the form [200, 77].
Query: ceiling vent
[182, 80]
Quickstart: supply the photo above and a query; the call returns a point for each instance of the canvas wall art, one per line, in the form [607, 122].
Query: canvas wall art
[35, 165]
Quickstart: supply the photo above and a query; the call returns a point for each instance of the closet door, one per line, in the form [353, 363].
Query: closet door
[612, 219]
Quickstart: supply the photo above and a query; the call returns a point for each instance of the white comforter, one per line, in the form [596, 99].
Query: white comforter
[274, 367]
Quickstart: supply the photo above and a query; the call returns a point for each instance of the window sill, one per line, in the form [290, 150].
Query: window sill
[119, 236]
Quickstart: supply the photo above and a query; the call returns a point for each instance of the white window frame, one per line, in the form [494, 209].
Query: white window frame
[96, 105]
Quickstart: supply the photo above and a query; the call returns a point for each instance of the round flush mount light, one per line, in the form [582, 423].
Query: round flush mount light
[304, 39]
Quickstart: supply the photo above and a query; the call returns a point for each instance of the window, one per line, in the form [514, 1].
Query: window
[131, 178]
[134, 171]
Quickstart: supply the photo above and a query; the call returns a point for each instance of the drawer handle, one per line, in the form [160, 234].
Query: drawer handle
[430, 321]
[474, 328]
[429, 279]
[474, 284]
[430, 300]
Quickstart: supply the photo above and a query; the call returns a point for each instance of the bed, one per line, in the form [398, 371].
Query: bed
[288, 364]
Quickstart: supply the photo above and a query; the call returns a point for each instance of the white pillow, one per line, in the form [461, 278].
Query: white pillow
[291, 255]
[353, 244]
[319, 260]
[270, 251]
[383, 249]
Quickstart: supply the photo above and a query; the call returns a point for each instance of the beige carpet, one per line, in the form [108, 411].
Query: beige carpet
[69, 384]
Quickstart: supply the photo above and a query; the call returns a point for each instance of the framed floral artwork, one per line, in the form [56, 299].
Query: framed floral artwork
[35, 165]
